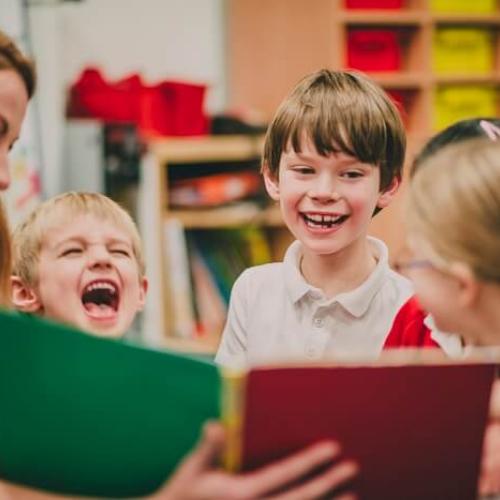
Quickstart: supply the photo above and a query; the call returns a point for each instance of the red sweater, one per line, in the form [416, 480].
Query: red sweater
[408, 328]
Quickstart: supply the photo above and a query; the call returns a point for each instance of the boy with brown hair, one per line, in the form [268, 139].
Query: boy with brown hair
[78, 260]
[333, 156]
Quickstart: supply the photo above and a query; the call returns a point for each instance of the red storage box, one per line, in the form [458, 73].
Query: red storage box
[173, 108]
[373, 50]
[168, 108]
[374, 4]
[400, 99]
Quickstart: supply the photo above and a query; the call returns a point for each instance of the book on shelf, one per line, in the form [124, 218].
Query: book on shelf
[182, 314]
[85, 415]
[202, 266]
[211, 309]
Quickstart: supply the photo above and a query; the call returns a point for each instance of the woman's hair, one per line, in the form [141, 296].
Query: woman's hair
[463, 130]
[5, 260]
[453, 205]
[11, 58]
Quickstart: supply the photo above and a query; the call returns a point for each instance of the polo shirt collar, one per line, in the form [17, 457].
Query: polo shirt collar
[297, 287]
[356, 301]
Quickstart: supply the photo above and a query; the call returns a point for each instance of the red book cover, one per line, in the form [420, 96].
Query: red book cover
[415, 431]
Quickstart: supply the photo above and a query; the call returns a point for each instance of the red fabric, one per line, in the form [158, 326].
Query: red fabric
[173, 108]
[408, 329]
[93, 97]
[168, 108]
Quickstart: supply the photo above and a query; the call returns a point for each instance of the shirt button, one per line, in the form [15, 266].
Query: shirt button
[318, 322]
[311, 352]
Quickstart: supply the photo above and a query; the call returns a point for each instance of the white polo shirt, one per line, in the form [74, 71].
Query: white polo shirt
[274, 313]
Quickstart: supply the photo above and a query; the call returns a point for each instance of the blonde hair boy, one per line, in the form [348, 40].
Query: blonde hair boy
[78, 259]
[333, 156]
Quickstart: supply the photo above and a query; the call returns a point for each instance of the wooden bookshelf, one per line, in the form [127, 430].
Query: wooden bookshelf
[297, 37]
[164, 154]
[246, 213]
[323, 27]
[206, 149]
[383, 17]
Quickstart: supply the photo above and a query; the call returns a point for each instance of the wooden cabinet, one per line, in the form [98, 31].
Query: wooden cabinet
[271, 44]
[163, 156]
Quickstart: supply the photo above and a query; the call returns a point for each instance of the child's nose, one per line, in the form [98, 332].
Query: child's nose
[324, 189]
[99, 257]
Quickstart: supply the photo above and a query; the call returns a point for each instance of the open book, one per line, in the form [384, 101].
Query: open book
[93, 416]
[99, 417]
[415, 430]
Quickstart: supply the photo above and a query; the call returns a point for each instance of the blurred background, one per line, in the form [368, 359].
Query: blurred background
[162, 105]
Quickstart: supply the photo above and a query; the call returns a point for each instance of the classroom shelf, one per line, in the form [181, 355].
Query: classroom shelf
[162, 156]
[228, 216]
[283, 57]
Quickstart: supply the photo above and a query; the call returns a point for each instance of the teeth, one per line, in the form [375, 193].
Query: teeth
[315, 218]
[323, 219]
[99, 285]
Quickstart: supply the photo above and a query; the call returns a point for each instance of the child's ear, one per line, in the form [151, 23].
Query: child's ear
[24, 298]
[468, 285]
[389, 192]
[143, 290]
[271, 182]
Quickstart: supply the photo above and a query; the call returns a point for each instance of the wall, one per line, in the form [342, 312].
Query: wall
[159, 38]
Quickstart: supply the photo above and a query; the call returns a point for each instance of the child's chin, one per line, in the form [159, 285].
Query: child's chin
[110, 327]
[322, 249]
[115, 332]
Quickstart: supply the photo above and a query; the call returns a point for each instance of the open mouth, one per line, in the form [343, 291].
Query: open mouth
[323, 221]
[101, 298]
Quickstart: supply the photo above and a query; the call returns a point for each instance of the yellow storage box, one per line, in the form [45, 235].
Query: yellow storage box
[456, 6]
[463, 50]
[459, 102]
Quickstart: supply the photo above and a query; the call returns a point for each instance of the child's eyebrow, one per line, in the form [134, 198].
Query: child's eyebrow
[302, 156]
[66, 241]
[342, 157]
[119, 241]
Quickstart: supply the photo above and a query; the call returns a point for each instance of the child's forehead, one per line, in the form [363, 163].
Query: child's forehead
[83, 227]
[309, 142]
[307, 150]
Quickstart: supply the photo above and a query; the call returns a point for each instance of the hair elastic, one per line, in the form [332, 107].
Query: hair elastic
[491, 130]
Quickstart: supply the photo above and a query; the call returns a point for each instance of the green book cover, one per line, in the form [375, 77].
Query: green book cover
[91, 416]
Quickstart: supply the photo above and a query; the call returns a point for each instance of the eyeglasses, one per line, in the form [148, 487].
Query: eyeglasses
[401, 266]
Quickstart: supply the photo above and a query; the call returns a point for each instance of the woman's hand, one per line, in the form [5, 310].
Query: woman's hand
[198, 477]
[489, 479]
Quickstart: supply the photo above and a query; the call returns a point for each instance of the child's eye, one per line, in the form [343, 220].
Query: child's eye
[120, 251]
[71, 251]
[303, 170]
[352, 174]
